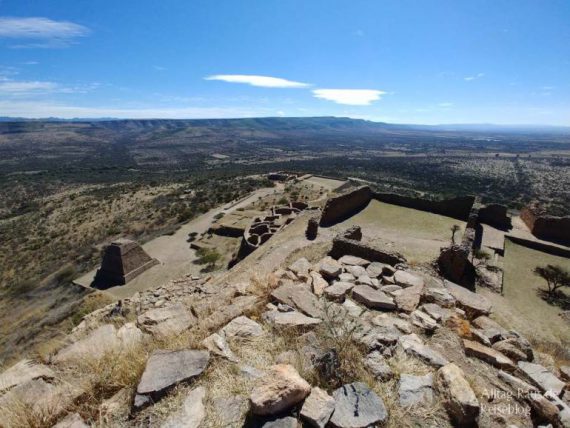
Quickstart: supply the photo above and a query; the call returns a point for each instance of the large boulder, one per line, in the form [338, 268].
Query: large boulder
[317, 408]
[280, 389]
[458, 398]
[357, 406]
[192, 412]
[166, 369]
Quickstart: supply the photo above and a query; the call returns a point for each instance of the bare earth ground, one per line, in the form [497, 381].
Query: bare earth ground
[418, 235]
[521, 308]
[173, 251]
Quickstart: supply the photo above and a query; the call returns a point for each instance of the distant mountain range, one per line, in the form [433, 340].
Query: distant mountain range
[313, 123]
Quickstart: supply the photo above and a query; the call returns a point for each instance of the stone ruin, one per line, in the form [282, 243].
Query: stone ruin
[263, 228]
[123, 260]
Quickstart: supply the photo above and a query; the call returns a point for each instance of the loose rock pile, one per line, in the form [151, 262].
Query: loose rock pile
[389, 310]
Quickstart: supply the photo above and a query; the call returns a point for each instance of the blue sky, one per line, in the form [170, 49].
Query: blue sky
[422, 61]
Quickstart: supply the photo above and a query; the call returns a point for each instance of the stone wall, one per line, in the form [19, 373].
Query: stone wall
[549, 228]
[540, 246]
[344, 206]
[495, 215]
[458, 208]
[343, 246]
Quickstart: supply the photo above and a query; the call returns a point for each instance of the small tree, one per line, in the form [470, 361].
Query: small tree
[454, 229]
[555, 276]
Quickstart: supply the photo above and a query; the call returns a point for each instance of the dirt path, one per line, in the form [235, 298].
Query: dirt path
[174, 252]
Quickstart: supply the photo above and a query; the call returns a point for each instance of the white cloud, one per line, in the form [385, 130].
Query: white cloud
[476, 76]
[353, 97]
[261, 81]
[40, 32]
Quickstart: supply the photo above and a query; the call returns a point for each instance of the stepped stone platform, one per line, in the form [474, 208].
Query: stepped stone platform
[123, 260]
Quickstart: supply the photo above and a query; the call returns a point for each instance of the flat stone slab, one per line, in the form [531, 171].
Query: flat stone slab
[439, 296]
[192, 412]
[241, 328]
[228, 411]
[422, 320]
[23, 372]
[357, 406]
[375, 269]
[300, 267]
[371, 298]
[166, 369]
[414, 390]
[408, 299]
[413, 345]
[407, 279]
[542, 377]
[338, 290]
[329, 268]
[473, 304]
[218, 345]
[489, 355]
[356, 271]
[290, 319]
[378, 367]
[167, 321]
[353, 261]
[490, 328]
[300, 297]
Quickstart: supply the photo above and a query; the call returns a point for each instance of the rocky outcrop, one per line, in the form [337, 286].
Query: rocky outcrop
[344, 206]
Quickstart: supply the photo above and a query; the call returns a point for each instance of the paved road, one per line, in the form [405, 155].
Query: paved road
[174, 252]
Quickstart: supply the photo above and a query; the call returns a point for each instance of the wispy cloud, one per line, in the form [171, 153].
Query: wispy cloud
[22, 88]
[474, 77]
[353, 97]
[40, 32]
[261, 81]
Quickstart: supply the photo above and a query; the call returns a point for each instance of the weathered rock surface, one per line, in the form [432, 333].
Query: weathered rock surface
[280, 389]
[509, 348]
[415, 390]
[407, 279]
[290, 319]
[564, 373]
[280, 422]
[319, 283]
[408, 299]
[301, 267]
[357, 406]
[459, 399]
[473, 304]
[242, 328]
[439, 296]
[167, 321]
[489, 355]
[542, 377]
[329, 268]
[490, 328]
[356, 271]
[165, 369]
[300, 297]
[338, 290]
[387, 320]
[317, 408]
[422, 320]
[218, 345]
[353, 261]
[436, 312]
[413, 345]
[375, 269]
[378, 366]
[520, 386]
[22, 372]
[192, 412]
[371, 298]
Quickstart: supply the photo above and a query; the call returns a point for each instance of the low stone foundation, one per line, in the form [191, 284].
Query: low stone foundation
[343, 247]
[345, 206]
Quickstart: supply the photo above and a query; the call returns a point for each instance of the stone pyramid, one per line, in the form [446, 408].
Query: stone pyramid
[123, 260]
